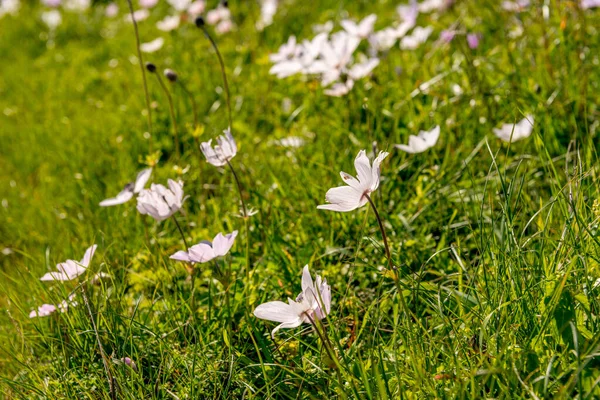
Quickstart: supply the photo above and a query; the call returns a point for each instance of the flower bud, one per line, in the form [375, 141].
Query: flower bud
[170, 75]
[150, 67]
[225, 3]
[199, 22]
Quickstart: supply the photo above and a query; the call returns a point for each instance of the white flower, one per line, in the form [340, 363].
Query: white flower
[335, 56]
[428, 6]
[268, 8]
[206, 251]
[290, 141]
[148, 3]
[43, 311]
[138, 15]
[168, 23]
[224, 26]
[515, 6]
[361, 30]
[9, 7]
[223, 152]
[151, 47]
[353, 196]
[314, 302]
[52, 19]
[77, 5]
[180, 5]
[196, 8]
[408, 12]
[384, 39]
[159, 202]
[64, 305]
[418, 36]
[514, 132]
[218, 14]
[70, 269]
[339, 89]
[130, 189]
[587, 4]
[286, 51]
[323, 28]
[111, 11]
[420, 143]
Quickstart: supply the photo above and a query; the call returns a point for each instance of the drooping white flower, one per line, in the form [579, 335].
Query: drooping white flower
[52, 19]
[353, 196]
[206, 251]
[130, 189]
[222, 152]
[423, 141]
[314, 302]
[361, 30]
[418, 36]
[70, 269]
[43, 311]
[151, 47]
[515, 132]
[160, 202]
[169, 23]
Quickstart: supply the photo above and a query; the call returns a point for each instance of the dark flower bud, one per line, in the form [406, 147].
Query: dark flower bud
[225, 3]
[199, 22]
[170, 75]
[151, 67]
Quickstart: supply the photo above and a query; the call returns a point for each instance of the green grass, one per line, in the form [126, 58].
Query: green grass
[498, 246]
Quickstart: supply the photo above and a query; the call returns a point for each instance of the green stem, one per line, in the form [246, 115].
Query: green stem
[385, 242]
[171, 111]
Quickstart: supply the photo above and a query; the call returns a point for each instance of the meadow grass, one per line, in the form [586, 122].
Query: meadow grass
[497, 245]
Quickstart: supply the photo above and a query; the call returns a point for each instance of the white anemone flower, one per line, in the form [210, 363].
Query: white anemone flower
[160, 202]
[52, 19]
[153, 46]
[148, 3]
[43, 311]
[70, 269]
[9, 7]
[222, 152]
[206, 251]
[361, 30]
[169, 23]
[138, 15]
[423, 141]
[314, 302]
[129, 190]
[336, 54]
[418, 36]
[515, 132]
[180, 5]
[353, 196]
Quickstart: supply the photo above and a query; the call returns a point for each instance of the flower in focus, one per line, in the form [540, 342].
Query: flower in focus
[421, 142]
[361, 30]
[70, 269]
[514, 132]
[168, 23]
[223, 152]
[43, 311]
[353, 196]
[314, 302]
[160, 202]
[151, 47]
[130, 189]
[206, 251]
[473, 40]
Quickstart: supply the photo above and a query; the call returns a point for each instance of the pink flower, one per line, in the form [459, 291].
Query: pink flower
[70, 269]
[473, 40]
[206, 251]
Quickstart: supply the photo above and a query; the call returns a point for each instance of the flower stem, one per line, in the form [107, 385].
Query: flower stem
[192, 100]
[222, 65]
[385, 242]
[111, 385]
[139, 53]
[239, 186]
[181, 233]
[171, 111]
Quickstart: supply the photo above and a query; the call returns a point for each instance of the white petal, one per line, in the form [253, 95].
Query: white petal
[123, 197]
[363, 168]
[142, 178]
[87, 257]
[343, 198]
[277, 311]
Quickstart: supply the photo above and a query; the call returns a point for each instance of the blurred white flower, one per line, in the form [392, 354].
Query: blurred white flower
[180, 5]
[111, 10]
[77, 5]
[290, 141]
[423, 141]
[151, 47]
[587, 4]
[515, 132]
[428, 6]
[169, 23]
[138, 15]
[335, 54]
[268, 8]
[148, 3]
[223, 151]
[52, 3]
[294, 58]
[43, 311]
[515, 6]
[408, 12]
[206, 251]
[323, 28]
[224, 26]
[52, 19]
[218, 14]
[353, 196]
[361, 30]
[9, 7]
[130, 189]
[160, 202]
[197, 8]
[314, 302]
[70, 269]
[418, 36]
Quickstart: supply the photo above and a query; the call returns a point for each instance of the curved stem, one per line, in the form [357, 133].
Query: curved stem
[171, 111]
[222, 64]
[139, 53]
[181, 233]
[385, 242]
[239, 186]
[192, 100]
